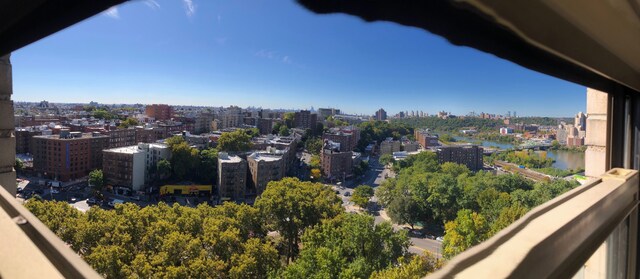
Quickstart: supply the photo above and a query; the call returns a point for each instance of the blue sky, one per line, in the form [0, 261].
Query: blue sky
[275, 54]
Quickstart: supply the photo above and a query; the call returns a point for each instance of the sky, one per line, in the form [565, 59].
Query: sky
[275, 54]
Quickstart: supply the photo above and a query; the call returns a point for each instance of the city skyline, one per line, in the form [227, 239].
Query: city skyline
[209, 54]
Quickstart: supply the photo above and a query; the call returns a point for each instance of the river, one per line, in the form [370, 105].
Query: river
[564, 159]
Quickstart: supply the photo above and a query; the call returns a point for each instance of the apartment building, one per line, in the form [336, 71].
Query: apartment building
[232, 177]
[388, 146]
[410, 146]
[425, 139]
[323, 113]
[264, 167]
[132, 166]
[122, 137]
[68, 155]
[228, 118]
[470, 156]
[159, 111]
[23, 138]
[336, 164]
[202, 122]
[265, 125]
[305, 119]
[348, 137]
[381, 115]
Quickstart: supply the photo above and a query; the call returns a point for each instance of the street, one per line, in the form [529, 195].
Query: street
[374, 177]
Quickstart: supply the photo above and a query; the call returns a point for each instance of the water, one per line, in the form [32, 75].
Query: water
[564, 159]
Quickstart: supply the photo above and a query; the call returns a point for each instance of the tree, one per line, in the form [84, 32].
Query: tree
[165, 241]
[163, 169]
[284, 131]
[291, 206]
[184, 160]
[207, 166]
[404, 210]
[313, 145]
[361, 195]
[386, 159]
[348, 246]
[316, 174]
[128, 123]
[289, 119]
[96, 179]
[19, 166]
[103, 114]
[252, 132]
[235, 141]
[412, 267]
[468, 229]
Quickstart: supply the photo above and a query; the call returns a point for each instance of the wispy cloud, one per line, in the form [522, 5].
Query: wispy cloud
[263, 53]
[189, 7]
[152, 4]
[112, 12]
[273, 55]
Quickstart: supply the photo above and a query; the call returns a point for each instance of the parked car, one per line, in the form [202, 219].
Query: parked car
[114, 202]
[73, 199]
[440, 238]
[347, 194]
[92, 201]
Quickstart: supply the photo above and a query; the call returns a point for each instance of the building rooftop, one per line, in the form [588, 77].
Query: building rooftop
[73, 136]
[224, 157]
[264, 157]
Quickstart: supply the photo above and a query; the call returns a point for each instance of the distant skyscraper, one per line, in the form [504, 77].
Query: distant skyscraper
[381, 115]
[580, 121]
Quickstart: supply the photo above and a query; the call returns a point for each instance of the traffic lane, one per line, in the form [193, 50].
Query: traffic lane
[422, 244]
[418, 245]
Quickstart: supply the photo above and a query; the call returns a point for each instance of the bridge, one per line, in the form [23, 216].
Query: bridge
[537, 145]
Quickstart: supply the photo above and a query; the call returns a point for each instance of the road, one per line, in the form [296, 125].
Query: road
[374, 177]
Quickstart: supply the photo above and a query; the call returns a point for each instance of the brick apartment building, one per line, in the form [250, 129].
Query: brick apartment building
[425, 139]
[69, 155]
[159, 111]
[335, 163]
[265, 125]
[122, 137]
[305, 119]
[262, 169]
[23, 139]
[470, 156]
[232, 177]
[130, 166]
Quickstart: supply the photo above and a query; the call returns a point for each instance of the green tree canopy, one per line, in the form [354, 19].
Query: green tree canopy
[349, 246]
[234, 141]
[290, 206]
[361, 195]
[96, 179]
[129, 122]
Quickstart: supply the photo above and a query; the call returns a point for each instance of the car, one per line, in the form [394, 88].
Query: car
[114, 202]
[92, 201]
[347, 194]
[440, 238]
[430, 236]
[417, 233]
[54, 191]
[73, 199]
